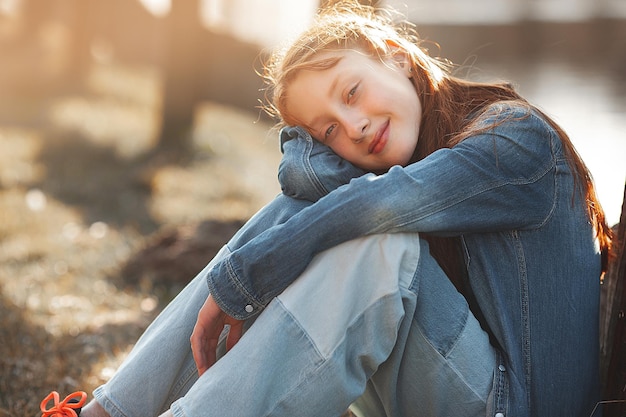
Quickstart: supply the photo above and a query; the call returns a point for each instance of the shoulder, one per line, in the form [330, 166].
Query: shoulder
[506, 115]
[516, 135]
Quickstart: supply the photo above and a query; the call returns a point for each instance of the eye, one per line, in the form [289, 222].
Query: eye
[329, 131]
[352, 92]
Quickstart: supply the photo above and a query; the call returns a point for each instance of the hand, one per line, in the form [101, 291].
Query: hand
[206, 333]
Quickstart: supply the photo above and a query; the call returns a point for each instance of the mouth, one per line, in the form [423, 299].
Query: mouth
[380, 139]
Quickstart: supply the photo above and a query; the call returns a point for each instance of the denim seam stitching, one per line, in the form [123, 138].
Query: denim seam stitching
[239, 285]
[501, 387]
[306, 159]
[525, 313]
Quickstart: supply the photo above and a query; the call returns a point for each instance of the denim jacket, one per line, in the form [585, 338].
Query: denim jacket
[530, 251]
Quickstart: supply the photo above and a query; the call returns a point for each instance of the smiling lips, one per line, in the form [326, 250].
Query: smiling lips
[380, 139]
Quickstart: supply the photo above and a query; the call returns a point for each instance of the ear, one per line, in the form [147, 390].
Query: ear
[399, 57]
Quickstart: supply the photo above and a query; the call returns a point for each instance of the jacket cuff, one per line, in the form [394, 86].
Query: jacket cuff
[230, 294]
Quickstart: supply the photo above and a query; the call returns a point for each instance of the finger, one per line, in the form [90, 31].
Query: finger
[197, 349]
[210, 352]
[205, 335]
[235, 333]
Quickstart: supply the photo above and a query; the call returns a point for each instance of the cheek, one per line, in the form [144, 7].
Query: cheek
[407, 148]
[341, 150]
[346, 152]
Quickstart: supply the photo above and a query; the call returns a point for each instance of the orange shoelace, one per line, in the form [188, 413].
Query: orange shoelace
[64, 408]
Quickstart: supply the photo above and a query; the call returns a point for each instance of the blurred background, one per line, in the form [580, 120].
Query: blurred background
[164, 59]
[132, 147]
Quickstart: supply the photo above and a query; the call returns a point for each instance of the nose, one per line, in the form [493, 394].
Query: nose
[355, 125]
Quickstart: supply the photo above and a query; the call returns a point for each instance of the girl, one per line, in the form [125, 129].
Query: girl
[460, 276]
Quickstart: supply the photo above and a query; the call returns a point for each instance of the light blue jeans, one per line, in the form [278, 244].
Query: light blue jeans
[373, 322]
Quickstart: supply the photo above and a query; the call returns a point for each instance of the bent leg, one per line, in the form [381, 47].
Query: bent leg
[314, 347]
[345, 321]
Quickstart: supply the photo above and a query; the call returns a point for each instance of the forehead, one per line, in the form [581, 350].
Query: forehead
[321, 77]
[312, 87]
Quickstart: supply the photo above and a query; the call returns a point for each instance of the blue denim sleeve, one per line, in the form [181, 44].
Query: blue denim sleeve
[309, 169]
[501, 179]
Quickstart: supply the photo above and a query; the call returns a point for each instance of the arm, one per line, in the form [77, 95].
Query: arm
[307, 172]
[501, 179]
[309, 169]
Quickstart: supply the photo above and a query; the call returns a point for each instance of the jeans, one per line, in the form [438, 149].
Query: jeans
[385, 331]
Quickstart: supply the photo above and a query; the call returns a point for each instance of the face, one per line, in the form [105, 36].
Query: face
[366, 110]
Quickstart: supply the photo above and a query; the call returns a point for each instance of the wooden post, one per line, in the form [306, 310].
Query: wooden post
[613, 326]
[182, 73]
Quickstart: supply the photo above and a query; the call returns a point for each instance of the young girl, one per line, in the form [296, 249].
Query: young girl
[460, 276]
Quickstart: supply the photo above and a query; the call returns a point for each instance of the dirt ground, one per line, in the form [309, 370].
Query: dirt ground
[98, 230]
